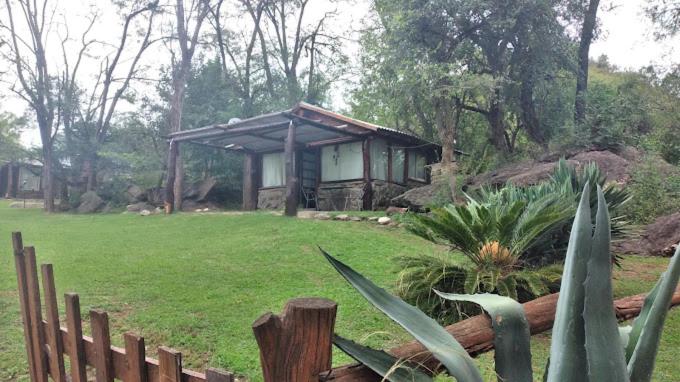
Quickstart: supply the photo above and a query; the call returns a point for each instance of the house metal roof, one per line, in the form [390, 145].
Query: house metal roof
[314, 126]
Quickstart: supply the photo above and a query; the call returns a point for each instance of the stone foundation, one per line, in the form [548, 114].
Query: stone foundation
[271, 198]
[340, 196]
[383, 192]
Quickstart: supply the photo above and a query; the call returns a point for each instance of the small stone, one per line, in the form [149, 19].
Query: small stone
[395, 210]
[206, 209]
[384, 220]
[322, 216]
[145, 212]
[198, 210]
[373, 219]
[342, 217]
[355, 218]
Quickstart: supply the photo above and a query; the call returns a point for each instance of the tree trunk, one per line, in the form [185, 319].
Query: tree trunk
[178, 189]
[531, 123]
[176, 106]
[91, 173]
[497, 125]
[589, 22]
[48, 179]
[446, 111]
[170, 182]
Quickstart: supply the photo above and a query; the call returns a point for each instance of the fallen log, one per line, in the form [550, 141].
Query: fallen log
[476, 335]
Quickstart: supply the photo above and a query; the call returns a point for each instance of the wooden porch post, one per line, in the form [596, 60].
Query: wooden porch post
[173, 150]
[250, 181]
[10, 181]
[292, 191]
[368, 191]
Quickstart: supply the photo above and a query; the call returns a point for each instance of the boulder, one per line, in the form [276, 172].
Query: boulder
[136, 207]
[145, 212]
[90, 202]
[356, 218]
[342, 217]
[656, 239]
[134, 194]
[373, 219]
[199, 191]
[418, 198]
[384, 220]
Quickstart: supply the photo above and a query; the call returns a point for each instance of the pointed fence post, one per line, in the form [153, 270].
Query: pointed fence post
[296, 346]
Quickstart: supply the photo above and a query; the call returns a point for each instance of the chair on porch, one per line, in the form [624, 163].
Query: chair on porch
[310, 196]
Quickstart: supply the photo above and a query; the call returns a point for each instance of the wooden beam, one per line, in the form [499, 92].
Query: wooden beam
[368, 191]
[173, 151]
[251, 171]
[292, 191]
[332, 141]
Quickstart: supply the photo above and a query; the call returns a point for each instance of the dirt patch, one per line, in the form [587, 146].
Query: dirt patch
[659, 238]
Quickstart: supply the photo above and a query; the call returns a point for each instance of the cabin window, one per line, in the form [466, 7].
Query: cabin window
[273, 170]
[379, 158]
[416, 165]
[28, 181]
[342, 162]
[398, 159]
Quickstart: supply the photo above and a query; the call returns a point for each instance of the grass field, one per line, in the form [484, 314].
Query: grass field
[196, 282]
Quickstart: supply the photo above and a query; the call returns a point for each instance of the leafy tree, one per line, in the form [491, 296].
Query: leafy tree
[665, 14]
[10, 147]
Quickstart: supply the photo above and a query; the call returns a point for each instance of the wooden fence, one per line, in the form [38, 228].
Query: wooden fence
[47, 342]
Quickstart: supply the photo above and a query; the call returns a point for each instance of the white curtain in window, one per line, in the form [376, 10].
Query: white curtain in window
[273, 170]
[398, 158]
[416, 165]
[342, 162]
[379, 159]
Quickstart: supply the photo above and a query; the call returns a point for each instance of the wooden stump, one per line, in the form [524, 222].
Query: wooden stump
[296, 346]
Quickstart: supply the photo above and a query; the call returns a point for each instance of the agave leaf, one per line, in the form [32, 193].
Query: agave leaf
[512, 338]
[387, 366]
[567, 354]
[641, 363]
[640, 321]
[426, 330]
[606, 363]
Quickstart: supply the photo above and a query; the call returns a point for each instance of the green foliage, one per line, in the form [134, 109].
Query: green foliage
[10, 147]
[654, 190]
[585, 344]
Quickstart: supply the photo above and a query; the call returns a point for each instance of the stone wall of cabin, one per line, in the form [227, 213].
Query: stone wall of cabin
[271, 198]
[384, 191]
[339, 196]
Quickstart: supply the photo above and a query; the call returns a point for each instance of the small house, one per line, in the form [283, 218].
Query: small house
[335, 162]
[21, 180]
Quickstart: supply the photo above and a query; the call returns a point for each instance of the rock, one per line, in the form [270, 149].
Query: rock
[384, 220]
[200, 190]
[134, 194]
[342, 217]
[322, 216]
[206, 209]
[656, 239]
[395, 210]
[373, 219]
[145, 212]
[136, 207]
[417, 199]
[198, 210]
[89, 202]
[355, 218]
[158, 210]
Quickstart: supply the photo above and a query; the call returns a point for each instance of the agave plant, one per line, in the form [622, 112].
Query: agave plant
[587, 344]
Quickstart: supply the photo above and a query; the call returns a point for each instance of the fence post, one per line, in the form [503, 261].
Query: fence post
[296, 346]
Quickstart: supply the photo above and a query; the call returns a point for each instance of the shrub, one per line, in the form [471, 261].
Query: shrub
[654, 194]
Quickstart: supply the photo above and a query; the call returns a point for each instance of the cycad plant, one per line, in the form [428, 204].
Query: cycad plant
[587, 344]
[494, 237]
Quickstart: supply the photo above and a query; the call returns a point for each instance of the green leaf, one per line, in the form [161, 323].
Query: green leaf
[426, 330]
[385, 365]
[641, 365]
[606, 363]
[512, 338]
[568, 361]
[624, 335]
[639, 322]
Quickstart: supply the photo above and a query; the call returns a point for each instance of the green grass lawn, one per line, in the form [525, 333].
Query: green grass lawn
[196, 282]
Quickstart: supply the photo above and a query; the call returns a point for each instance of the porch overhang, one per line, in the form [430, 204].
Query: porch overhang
[268, 133]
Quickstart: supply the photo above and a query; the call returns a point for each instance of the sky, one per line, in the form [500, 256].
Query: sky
[625, 38]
